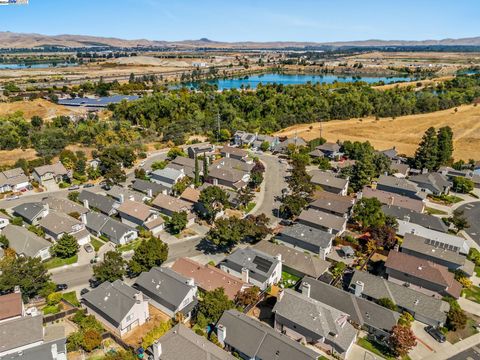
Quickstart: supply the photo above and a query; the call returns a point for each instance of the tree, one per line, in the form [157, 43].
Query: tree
[256, 179]
[406, 319]
[265, 146]
[196, 179]
[387, 303]
[213, 199]
[92, 339]
[248, 296]
[115, 175]
[338, 269]
[323, 164]
[112, 268]
[402, 340]
[426, 156]
[177, 222]
[205, 167]
[4, 243]
[175, 152]
[292, 206]
[368, 213]
[66, 247]
[463, 185]
[36, 121]
[226, 232]
[212, 306]
[445, 146]
[159, 165]
[140, 174]
[73, 196]
[459, 220]
[245, 196]
[150, 253]
[384, 236]
[181, 185]
[17, 220]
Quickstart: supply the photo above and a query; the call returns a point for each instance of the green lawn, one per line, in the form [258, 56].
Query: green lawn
[130, 246]
[96, 243]
[377, 349]
[477, 271]
[249, 207]
[57, 262]
[289, 280]
[472, 294]
[71, 297]
[433, 211]
[446, 199]
[51, 309]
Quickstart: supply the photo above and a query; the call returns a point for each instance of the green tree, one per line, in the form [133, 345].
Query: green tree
[205, 168]
[459, 220]
[73, 196]
[66, 247]
[338, 269]
[445, 146]
[150, 253]
[212, 306]
[226, 233]
[368, 213]
[248, 296]
[17, 220]
[463, 185]
[213, 200]
[4, 243]
[426, 156]
[265, 146]
[112, 268]
[387, 303]
[92, 339]
[115, 175]
[196, 179]
[177, 222]
[159, 165]
[175, 152]
[292, 206]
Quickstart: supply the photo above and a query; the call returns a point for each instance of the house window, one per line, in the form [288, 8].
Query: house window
[129, 317]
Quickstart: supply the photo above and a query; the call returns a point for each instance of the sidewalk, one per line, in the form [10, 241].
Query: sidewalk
[456, 348]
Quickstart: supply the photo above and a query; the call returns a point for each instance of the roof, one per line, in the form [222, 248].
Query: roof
[323, 178]
[390, 153]
[23, 241]
[437, 180]
[208, 277]
[56, 169]
[423, 269]
[316, 153]
[328, 201]
[297, 141]
[97, 102]
[377, 288]
[21, 332]
[258, 340]
[144, 186]
[136, 210]
[425, 220]
[323, 219]
[399, 183]
[185, 162]
[226, 173]
[181, 343]
[102, 203]
[304, 263]
[41, 352]
[191, 195]
[171, 203]
[29, 210]
[11, 305]
[234, 151]
[389, 198]
[13, 177]
[361, 311]
[112, 300]
[168, 173]
[58, 223]
[317, 318]
[231, 163]
[111, 228]
[400, 168]
[164, 286]
[329, 147]
[64, 205]
[307, 234]
[118, 191]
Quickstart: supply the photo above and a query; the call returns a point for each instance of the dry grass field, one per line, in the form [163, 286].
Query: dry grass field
[39, 107]
[403, 132]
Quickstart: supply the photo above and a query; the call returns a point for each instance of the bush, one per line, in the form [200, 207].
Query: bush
[54, 298]
[387, 303]
[92, 339]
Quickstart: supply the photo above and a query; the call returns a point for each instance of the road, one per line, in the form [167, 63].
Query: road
[471, 354]
[472, 213]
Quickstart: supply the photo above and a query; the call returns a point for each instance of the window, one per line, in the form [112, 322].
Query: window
[129, 317]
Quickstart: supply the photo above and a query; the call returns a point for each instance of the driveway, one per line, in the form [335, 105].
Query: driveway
[472, 213]
[426, 345]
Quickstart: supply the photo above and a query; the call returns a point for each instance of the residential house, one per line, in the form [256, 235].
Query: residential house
[187, 165]
[190, 195]
[330, 223]
[424, 308]
[94, 163]
[254, 267]
[119, 307]
[222, 173]
[167, 177]
[209, 278]
[200, 150]
[56, 225]
[135, 214]
[329, 182]
[26, 243]
[168, 205]
[425, 220]
[389, 198]
[392, 153]
[332, 203]
[424, 275]
[330, 150]
[307, 238]
[152, 189]
[31, 212]
[316, 154]
[243, 138]
[307, 320]
[436, 252]
[4, 220]
[120, 194]
[13, 180]
[400, 186]
[54, 173]
[231, 163]
[271, 140]
[452, 173]
[253, 339]
[65, 206]
[168, 291]
[111, 229]
[182, 343]
[432, 183]
[98, 202]
[294, 261]
[11, 306]
[282, 146]
[400, 170]
[375, 319]
[235, 153]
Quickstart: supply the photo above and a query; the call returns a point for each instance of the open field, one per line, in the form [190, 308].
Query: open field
[404, 132]
[40, 107]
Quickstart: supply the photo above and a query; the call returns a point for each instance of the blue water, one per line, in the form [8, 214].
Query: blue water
[34, 66]
[295, 79]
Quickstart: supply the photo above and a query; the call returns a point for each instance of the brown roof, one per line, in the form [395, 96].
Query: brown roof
[234, 151]
[152, 224]
[423, 269]
[136, 210]
[10, 306]
[171, 203]
[323, 219]
[389, 198]
[191, 195]
[208, 277]
[325, 200]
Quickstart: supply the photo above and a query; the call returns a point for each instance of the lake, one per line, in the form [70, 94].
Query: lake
[34, 66]
[296, 79]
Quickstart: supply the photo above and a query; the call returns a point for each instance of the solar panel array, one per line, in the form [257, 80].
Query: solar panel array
[442, 245]
[262, 264]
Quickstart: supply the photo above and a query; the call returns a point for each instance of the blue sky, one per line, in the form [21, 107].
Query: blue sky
[261, 20]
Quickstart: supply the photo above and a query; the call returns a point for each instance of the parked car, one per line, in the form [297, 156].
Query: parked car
[88, 248]
[436, 334]
[13, 197]
[94, 282]
[286, 222]
[74, 187]
[61, 287]
[88, 185]
[84, 291]
[142, 164]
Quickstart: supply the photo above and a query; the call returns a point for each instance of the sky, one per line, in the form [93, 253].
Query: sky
[248, 20]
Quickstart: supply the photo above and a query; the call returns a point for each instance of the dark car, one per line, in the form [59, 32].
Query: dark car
[84, 291]
[74, 187]
[94, 283]
[61, 287]
[88, 185]
[286, 222]
[436, 334]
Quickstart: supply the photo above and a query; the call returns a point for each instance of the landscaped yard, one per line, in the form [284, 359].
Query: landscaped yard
[96, 243]
[377, 349]
[445, 199]
[289, 280]
[57, 262]
[473, 293]
[130, 246]
[469, 330]
[433, 211]
[477, 271]
[249, 207]
[71, 297]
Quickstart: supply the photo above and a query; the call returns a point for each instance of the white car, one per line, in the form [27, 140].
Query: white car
[142, 164]
[13, 197]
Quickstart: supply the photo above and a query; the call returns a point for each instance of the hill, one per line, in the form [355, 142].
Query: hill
[43, 108]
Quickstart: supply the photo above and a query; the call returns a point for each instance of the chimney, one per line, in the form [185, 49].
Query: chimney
[121, 198]
[406, 218]
[47, 208]
[191, 282]
[221, 334]
[54, 351]
[359, 195]
[157, 350]
[85, 204]
[84, 217]
[306, 289]
[245, 275]
[280, 295]
[359, 288]
[139, 297]
[150, 193]
[279, 257]
[131, 198]
[16, 289]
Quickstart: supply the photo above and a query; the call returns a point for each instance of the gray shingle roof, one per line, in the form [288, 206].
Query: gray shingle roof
[12, 177]
[322, 219]
[144, 186]
[307, 234]
[425, 220]
[399, 183]
[323, 178]
[259, 340]
[56, 169]
[40, 352]
[102, 203]
[58, 223]
[329, 147]
[21, 332]
[436, 180]
[64, 205]
[117, 192]
[326, 201]
[23, 241]
[113, 229]
[29, 211]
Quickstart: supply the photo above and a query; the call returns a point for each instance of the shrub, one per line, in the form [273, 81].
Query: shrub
[92, 339]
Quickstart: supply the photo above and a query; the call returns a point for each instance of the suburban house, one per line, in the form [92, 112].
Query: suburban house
[254, 267]
[200, 150]
[253, 339]
[50, 173]
[316, 154]
[271, 140]
[400, 186]
[4, 220]
[330, 150]
[400, 170]
[223, 173]
[32, 212]
[432, 183]
[389, 198]
[231, 163]
[294, 261]
[98, 202]
[392, 153]
[65, 206]
[305, 319]
[235, 153]
[190, 195]
[424, 275]
[307, 238]
[243, 138]
[26, 243]
[167, 177]
[329, 182]
[424, 308]
[181, 342]
[11, 306]
[119, 307]
[13, 180]
[282, 146]
[135, 214]
[56, 225]
[121, 194]
[208, 277]
[168, 291]
[330, 223]
[168, 205]
[425, 220]
[437, 252]
[26, 338]
[332, 203]
[115, 231]
[375, 319]
[152, 189]
[187, 165]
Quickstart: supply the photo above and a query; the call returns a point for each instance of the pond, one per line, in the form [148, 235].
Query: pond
[35, 66]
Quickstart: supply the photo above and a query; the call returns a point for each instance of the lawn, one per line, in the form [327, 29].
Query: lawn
[433, 211]
[249, 207]
[96, 243]
[446, 199]
[57, 262]
[71, 297]
[477, 271]
[289, 280]
[469, 330]
[51, 309]
[377, 349]
[130, 246]
[473, 293]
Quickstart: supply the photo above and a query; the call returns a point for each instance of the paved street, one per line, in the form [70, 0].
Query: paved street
[470, 354]
[472, 213]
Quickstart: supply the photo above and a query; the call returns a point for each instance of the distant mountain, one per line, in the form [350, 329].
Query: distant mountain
[20, 40]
